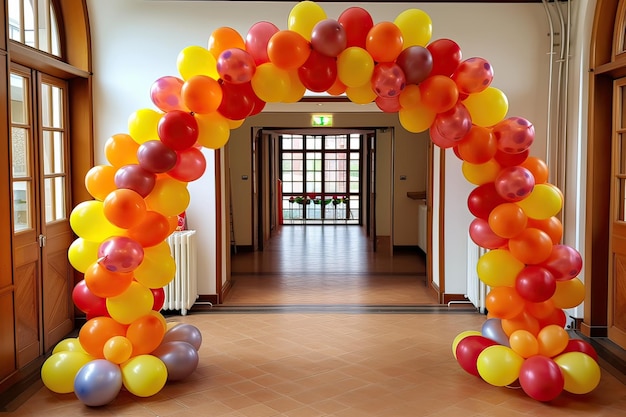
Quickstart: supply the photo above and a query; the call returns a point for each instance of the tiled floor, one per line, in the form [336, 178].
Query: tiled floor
[320, 356]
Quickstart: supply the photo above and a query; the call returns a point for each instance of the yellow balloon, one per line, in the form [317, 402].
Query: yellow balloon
[117, 349]
[498, 267]
[355, 67]
[296, 88]
[71, 344]
[82, 253]
[60, 369]
[479, 174]
[155, 271]
[416, 27]
[196, 60]
[304, 16]
[416, 119]
[580, 372]
[235, 124]
[89, 222]
[168, 197]
[142, 125]
[411, 98]
[144, 375]
[362, 94]
[487, 107]
[135, 302]
[544, 201]
[270, 83]
[499, 365]
[569, 293]
[462, 336]
[213, 130]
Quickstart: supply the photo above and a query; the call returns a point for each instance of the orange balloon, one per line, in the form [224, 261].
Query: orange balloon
[288, 49]
[524, 321]
[504, 302]
[337, 89]
[117, 349]
[96, 332]
[384, 42]
[552, 226]
[538, 168]
[100, 181]
[145, 334]
[540, 310]
[524, 343]
[151, 230]
[120, 150]
[104, 283]
[552, 340]
[224, 38]
[532, 246]
[124, 208]
[173, 224]
[201, 94]
[439, 93]
[478, 146]
[507, 220]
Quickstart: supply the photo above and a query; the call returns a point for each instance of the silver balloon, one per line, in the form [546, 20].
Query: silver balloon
[184, 333]
[180, 359]
[98, 382]
[492, 329]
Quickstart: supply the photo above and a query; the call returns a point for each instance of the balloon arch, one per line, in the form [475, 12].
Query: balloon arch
[122, 249]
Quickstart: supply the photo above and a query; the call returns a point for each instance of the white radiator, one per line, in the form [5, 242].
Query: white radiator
[182, 292]
[476, 289]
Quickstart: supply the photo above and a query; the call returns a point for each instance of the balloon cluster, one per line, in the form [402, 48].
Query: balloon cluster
[122, 250]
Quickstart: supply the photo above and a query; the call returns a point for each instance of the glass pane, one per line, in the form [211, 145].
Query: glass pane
[34, 23]
[355, 141]
[621, 152]
[55, 47]
[53, 153]
[43, 19]
[20, 152]
[52, 106]
[15, 19]
[621, 214]
[55, 198]
[331, 142]
[19, 104]
[46, 106]
[21, 206]
[622, 93]
[29, 25]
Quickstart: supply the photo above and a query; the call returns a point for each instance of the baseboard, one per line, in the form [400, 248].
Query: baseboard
[208, 298]
[434, 292]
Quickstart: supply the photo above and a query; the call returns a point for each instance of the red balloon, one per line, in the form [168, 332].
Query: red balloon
[155, 156]
[483, 199]
[541, 378]
[388, 104]
[136, 178]
[483, 236]
[238, 101]
[357, 23]
[564, 262]
[159, 298]
[468, 349]
[557, 317]
[257, 39]
[329, 38]
[510, 159]
[440, 140]
[416, 63]
[535, 284]
[190, 165]
[88, 302]
[319, 72]
[579, 345]
[178, 130]
[446, 56]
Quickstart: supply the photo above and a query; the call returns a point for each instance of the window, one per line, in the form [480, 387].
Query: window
[34, 23]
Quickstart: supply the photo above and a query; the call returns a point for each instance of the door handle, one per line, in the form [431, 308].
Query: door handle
[42, 241]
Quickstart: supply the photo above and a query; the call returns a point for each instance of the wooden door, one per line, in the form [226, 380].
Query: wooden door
[371, 188]
[617, 262]
[41, 230]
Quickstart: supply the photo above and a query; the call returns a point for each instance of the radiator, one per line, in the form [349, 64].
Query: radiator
[182, 292]
[476, 289]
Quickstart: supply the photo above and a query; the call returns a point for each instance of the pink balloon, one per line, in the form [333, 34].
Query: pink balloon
[329, 37]
[453, 124]
[120, 254]
[473, 75]
[190, 165]
[564, 262]
[483, 236]
[388, 80]
[165, 93]
[514, 135]
[236, 66]
[514, 183]
[257, 39]
[136, 178]
[155, 156]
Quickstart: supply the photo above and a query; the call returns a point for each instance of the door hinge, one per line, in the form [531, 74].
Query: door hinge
[42, 241]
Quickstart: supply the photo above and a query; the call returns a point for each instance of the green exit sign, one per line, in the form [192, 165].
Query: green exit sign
[322, 120]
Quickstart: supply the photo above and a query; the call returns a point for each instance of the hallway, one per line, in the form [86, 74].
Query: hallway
[327, 265]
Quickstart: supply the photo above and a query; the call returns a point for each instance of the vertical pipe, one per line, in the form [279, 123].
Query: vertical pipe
[550, 76]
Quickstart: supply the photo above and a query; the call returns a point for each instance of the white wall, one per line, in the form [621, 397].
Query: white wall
[135, 42]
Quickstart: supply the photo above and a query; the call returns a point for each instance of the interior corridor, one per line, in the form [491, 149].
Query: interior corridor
[327, 265]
